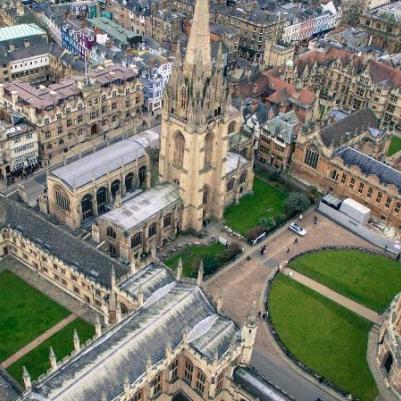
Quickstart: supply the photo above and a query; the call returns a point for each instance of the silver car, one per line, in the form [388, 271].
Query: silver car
[297, 229]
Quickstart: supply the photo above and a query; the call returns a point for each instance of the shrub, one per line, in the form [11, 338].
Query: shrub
[296, 202]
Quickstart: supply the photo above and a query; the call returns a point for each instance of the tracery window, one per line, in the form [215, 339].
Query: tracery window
[311, 157]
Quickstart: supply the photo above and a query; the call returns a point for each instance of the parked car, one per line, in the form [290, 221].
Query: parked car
[297, 229]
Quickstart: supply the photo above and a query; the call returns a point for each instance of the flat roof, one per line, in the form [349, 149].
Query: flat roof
[99, 163]
[113, 29]
[139, 209]
[20, 31]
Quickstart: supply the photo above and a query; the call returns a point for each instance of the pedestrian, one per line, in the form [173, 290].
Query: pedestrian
[314, 220]
[288, 250]
[300, 217]
[296, 241]
[264, 316]
[259, 313]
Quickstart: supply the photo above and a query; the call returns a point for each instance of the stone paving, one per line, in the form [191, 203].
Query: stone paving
[245, 281]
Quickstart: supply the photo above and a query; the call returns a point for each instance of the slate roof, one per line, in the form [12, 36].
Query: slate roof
[9, 390]
[255, 385]
[59, 242]
[123, 351]
[283, 127]
[356, 122]
[370, 166]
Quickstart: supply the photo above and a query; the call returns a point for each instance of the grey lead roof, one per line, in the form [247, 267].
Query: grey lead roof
[258, 386]
[134, 212]
[370, 166]
[78, 254]
[99, 163]
[149, 279]
[124, 350]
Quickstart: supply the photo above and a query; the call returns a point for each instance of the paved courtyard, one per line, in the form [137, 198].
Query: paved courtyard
[245, 281]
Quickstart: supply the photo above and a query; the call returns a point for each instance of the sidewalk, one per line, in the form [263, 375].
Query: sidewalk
[37, 341]
[353, 306]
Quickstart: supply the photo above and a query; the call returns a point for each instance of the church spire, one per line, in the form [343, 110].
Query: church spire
[199, 39]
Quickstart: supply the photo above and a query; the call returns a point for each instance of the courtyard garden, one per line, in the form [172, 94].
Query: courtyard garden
[395, 146]
[271, 203]
[25, 314]
[325, 336]
[369, 279]
[213, 256]
[37, 361]
[266, 201]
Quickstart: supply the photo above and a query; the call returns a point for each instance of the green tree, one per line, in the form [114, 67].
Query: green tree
[296, 202]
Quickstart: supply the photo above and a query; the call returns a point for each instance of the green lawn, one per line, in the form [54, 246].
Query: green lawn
[25, 313]
[369, 279]
[322, 334]
[395, 145]
[37, 361]
[191, 256]
[266, 201]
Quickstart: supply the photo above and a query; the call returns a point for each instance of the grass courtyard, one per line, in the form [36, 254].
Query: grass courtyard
[191, 256]
[395, 146]
[371, 280]
[323, 335]
[25, 313]
[265, 201]
[37, 361]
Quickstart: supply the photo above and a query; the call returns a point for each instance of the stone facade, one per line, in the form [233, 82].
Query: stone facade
[197, 123]
[349, 168]
[76, 110]
[388, 348]
[350, 82]
[383, 24]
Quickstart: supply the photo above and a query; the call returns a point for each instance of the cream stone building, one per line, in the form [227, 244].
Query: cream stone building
[90, 186]
[198, 120]
[205, 163]
[77, 109]
[163, 338]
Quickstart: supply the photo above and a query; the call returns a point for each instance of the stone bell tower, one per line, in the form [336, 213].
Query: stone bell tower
[195, 120]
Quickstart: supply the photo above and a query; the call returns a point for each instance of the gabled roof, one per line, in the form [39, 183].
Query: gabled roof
[370, 166]
[124, 350]
[335, 133]
[60, 242]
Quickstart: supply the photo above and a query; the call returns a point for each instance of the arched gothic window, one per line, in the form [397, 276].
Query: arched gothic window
[179, 147]
[208, 149]
[231, 127]
[334, 175]
[115, 187]
[183, 97]
[111, 233]
[87, 207]
[230, 184]
[101, 198]
[129, 178]
[312, 157]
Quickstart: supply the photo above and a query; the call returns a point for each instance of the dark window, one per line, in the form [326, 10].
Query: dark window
[312, 157]
[136, 240]
[189, 369]
[142, 174]
[115, 187]
[111, 233]
[167, 221]
[152, 230]
[101, 198]
[87, 209]
[129, 179]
